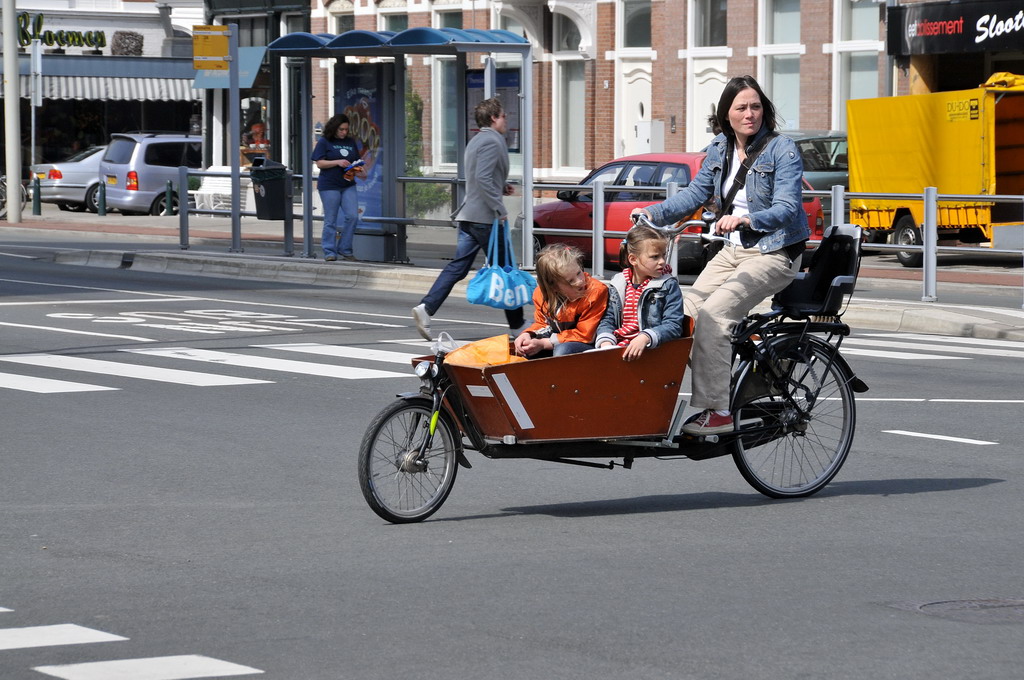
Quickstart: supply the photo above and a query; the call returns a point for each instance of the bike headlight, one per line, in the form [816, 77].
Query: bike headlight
[423, 369]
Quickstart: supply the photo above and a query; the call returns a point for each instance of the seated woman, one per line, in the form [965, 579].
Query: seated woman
[645, 305]
[568, 305]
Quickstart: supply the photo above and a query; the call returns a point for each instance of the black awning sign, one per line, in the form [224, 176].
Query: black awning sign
[943, 28]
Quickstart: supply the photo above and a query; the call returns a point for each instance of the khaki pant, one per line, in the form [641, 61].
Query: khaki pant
[732, 284]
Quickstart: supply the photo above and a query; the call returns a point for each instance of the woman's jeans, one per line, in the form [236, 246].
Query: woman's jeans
[341, 212]
[472, 237]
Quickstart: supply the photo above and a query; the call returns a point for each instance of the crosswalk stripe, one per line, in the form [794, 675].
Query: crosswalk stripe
[266, 363]
[25, 383]
[935, 346]
[52, 636]
[169, 375]
[154, 668]
[882, 354]
[984, 342]
[346, 352]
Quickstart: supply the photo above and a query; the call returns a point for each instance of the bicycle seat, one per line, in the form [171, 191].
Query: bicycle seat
[830, 275]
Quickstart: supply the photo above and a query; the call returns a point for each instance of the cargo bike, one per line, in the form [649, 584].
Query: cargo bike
[792, 399]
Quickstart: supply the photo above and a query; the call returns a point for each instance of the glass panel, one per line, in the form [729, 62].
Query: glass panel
[636, 175]
[449, 19]
[636, 20]
[680, 174]
[512, 26]
[567, 35]
[447, 120]
[572, 122]
[396, 22]
[784, 21]
[709, 23]
[862, 20]
[165, 155]
[343, 23]
[784, 89]
[861, 69]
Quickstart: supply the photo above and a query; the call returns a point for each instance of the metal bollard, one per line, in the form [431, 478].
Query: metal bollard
[37, 208]
[168, 200]
[101, 200]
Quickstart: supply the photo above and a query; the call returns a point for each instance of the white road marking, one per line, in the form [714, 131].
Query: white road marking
[346, 352]
[66, 330]
[5, 609]
[168, 375]
[936, 346]
[978, 401]
[47, 303]
[882, 354]
[154, 668]
[52, 636]
[26, 383]
[959, 440]
[286, 365]
[984, 342]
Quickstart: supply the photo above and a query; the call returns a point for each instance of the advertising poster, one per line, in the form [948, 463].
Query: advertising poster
[507, 90]
[358, 97]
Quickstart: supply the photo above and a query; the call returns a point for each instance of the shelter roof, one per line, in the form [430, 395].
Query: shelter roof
[388, 43]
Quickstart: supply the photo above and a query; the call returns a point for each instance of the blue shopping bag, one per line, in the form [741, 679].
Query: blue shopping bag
[501, 285]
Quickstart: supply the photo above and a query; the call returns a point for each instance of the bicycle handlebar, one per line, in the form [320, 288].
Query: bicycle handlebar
[680, 227]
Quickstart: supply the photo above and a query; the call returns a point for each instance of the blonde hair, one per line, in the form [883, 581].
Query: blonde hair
[554, 263]
[634, 238]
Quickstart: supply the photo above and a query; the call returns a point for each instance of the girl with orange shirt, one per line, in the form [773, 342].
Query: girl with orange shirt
[568, 306]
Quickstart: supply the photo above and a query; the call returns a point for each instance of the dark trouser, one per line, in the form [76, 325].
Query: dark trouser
[472, 237]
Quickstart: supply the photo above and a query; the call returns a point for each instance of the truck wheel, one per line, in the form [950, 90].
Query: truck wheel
[907, 234]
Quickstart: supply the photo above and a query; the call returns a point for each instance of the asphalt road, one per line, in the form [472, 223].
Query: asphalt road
[224, 522]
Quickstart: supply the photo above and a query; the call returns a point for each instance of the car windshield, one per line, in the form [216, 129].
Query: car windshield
[823, 154]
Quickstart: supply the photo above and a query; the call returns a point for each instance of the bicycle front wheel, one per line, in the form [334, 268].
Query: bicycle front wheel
[399, 482]
[800, 425]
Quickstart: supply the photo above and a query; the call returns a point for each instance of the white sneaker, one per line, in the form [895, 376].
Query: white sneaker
[422, 319]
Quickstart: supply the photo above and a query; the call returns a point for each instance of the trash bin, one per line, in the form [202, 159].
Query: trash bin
[269, 185]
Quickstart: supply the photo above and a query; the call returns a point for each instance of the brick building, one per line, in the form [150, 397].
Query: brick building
[614, 77]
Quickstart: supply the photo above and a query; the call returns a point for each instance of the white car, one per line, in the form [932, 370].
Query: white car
[73, 183]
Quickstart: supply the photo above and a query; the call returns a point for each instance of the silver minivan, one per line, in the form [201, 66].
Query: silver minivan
[137, 166]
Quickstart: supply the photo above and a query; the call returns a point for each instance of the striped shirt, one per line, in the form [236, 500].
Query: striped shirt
[630, 327]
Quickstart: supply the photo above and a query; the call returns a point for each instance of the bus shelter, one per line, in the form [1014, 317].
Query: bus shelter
[385, 72]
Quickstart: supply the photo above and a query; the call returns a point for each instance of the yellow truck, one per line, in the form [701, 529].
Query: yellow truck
[966, 142]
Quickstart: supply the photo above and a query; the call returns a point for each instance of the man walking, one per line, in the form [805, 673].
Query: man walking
[486, 182]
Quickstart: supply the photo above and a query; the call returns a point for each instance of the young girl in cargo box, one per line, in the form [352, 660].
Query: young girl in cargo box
[568, 305]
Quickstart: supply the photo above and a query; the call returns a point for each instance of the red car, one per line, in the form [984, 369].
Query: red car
[574, 208]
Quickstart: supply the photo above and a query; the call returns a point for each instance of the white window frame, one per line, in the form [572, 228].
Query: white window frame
[557, 161]
[837, 48]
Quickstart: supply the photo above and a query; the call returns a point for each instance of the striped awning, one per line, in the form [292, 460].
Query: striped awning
[113, 88]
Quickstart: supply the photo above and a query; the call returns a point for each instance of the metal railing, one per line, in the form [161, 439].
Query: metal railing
[929, 230]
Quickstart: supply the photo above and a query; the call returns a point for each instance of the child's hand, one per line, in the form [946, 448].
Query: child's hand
[606, 343]
[636, 347]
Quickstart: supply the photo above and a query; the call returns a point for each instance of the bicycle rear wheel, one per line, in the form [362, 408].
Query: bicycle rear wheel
[398, 484]
[800, 427]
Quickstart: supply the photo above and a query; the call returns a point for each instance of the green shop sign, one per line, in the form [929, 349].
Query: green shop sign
[31, 28]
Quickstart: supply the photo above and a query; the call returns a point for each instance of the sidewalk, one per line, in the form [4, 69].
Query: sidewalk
[155, 247]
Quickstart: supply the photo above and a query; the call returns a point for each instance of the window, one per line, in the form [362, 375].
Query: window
[637, 175]
[783, 24]
[856, 56]
[449, 19]
[446, 121]
[252, 31]
[607, 174]
[394, 22]
[166, 155]
[571, 120]
[680, 174]
[343, 23]
[861, 19]
[512, 26]
[636, 23]
[566, 34]
[710, 23]
[784, 88]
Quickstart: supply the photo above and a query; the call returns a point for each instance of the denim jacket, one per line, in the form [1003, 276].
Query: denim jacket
[774, 193]
[660, 310]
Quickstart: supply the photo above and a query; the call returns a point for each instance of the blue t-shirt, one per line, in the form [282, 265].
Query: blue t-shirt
[332, 150]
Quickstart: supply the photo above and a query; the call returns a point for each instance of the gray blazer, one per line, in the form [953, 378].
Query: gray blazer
[486, 174]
